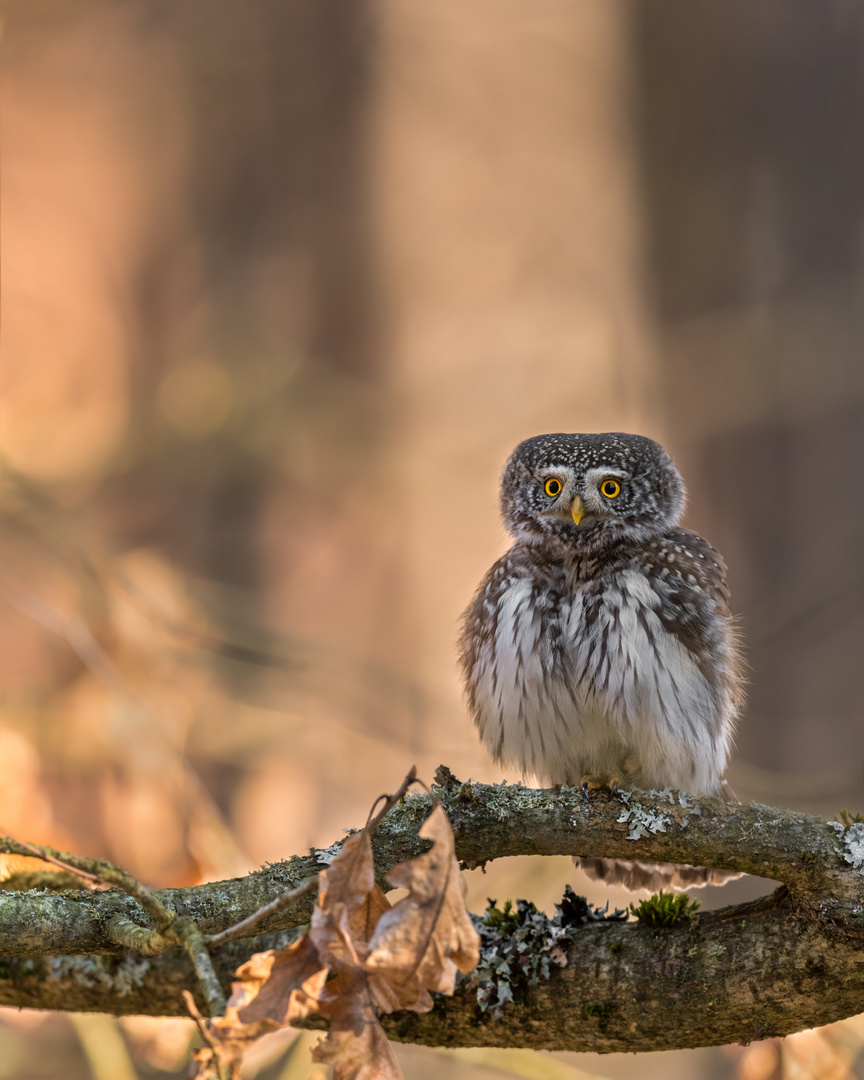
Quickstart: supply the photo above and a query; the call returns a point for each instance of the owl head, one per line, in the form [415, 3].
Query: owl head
[590, 490]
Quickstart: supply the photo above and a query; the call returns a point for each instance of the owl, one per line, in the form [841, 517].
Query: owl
[600, 650]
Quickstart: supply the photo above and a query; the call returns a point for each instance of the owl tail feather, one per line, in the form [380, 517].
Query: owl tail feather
[652, 876]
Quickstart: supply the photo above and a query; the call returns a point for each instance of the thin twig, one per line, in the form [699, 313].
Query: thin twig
[38, 853]
[97, 871]
[195, 945]
[200, 1023]
[206, 1037]
[311, 884]
[391, 800]
[171, 930]
[283, 900]
[183, 932]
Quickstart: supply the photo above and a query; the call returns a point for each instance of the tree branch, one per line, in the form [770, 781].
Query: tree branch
[170, 929]
[791, 961]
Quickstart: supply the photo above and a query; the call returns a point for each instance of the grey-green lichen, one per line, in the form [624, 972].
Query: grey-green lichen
[853, 841]
[325, 856]
[519, 945]
[642, 821]
[117, 975]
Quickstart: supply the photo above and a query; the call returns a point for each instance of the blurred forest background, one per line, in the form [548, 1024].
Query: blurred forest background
[284, 282]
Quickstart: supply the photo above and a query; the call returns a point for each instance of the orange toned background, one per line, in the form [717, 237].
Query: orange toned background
[283, 283]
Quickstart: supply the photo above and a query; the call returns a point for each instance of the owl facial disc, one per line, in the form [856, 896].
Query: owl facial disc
[590, 491]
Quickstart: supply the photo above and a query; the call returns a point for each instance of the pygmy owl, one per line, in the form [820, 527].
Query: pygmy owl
[599, 650]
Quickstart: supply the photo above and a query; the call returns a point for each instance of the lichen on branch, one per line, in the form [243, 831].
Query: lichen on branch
[790, 961]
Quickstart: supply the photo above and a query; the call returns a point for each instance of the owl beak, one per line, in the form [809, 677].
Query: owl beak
[577, 509]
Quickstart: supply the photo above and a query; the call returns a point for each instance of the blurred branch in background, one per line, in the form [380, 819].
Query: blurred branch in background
[132, 686]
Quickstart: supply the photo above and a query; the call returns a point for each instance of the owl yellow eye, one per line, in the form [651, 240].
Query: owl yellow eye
[552, 487]
[610, 488]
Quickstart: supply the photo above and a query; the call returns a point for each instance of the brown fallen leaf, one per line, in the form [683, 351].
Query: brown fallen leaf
[281, 986]
[367, 1056]
[355, 1044]
[349, 905]
[381, 957]
[349, 908]
[276, 988]
[421, 942]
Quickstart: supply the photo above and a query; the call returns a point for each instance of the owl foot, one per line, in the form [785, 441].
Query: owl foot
[600, 783]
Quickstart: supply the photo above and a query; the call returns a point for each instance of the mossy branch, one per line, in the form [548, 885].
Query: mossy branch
[791, 961]
[169, 930]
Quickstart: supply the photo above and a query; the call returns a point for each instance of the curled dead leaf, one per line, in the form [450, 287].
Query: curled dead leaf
[349, 905]
[381, 957]
[355, 1044]
[278, 987]
[364, 1056]
[274, 989]
[426, 937]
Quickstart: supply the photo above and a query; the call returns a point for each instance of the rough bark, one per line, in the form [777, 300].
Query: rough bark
[788, 962]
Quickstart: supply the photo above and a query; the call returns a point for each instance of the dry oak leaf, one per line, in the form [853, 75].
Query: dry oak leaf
[349, 905]
[381, 956]
[280, 986]
[274, 989]
[208, 1064]
[355, 1045]
[424, 938]
[367, 1056]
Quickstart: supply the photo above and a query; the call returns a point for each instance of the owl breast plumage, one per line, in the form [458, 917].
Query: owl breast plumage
[601, 644]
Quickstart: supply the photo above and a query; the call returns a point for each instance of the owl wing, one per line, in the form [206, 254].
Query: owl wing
[479, 623]
[513, 645]
[689, 576]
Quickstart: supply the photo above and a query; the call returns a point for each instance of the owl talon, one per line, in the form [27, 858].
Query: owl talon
[592, 783]
[600, 783]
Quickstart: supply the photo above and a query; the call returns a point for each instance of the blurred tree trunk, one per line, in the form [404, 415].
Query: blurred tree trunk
[754, 196]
